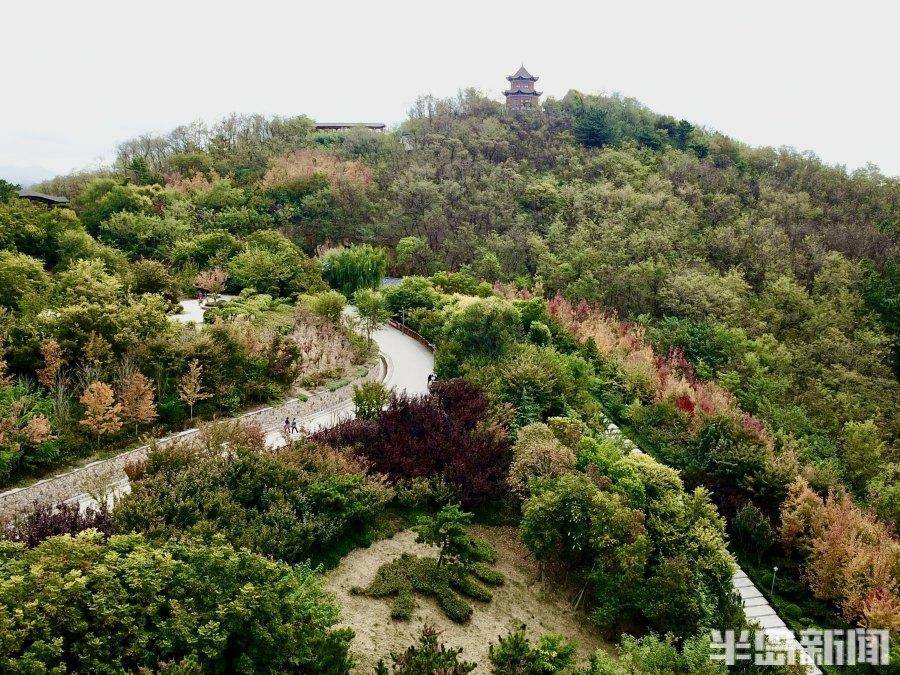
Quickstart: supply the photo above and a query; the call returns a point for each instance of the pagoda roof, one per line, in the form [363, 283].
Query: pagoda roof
[523, 93]
[522, 74]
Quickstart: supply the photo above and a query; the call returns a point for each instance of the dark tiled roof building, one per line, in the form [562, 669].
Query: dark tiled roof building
[51, 200]
[341, 126]
[521, 94]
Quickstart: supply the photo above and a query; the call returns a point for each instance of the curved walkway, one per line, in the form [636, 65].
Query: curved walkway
[406, 365]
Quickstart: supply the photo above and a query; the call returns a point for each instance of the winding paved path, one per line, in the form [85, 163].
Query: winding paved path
[408, 365]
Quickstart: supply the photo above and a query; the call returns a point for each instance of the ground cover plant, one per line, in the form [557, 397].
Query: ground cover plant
[460, 569]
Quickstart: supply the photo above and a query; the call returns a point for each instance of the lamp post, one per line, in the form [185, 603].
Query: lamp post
[774, 573]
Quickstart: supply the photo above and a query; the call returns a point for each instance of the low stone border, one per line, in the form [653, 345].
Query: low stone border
[409, 332]
[98, 475]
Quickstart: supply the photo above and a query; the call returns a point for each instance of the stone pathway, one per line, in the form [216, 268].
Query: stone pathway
[405, 366]
[192, 311]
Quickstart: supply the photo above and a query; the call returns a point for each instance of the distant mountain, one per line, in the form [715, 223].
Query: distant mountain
[25, 176]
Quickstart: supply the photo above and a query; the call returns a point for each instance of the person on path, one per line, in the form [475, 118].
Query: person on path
[294, 428]
[287, 426]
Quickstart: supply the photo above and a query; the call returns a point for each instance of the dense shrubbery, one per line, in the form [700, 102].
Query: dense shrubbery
[515, 655]
[756, 290]
[446, 433]
[297, 504]
[645, 547]
[109, 365]
[49, 520]
[125, 603]
[697, 426]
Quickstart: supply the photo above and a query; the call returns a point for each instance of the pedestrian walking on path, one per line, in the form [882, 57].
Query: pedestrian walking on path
[287, 426]
[294, 429]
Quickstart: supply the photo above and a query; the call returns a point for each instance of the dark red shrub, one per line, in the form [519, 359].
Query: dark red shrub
[685, 404]
[445, 432]
[48, 520]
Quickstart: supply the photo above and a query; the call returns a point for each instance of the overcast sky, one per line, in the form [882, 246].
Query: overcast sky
[83, 76]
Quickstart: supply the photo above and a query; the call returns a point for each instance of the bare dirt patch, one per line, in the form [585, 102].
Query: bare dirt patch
[541, 606]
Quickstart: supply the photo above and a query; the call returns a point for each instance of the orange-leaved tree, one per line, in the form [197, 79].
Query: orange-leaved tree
[137, 398]
[102, 413]
[53, 363]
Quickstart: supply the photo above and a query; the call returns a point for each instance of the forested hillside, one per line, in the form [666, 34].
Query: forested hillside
[733, 309]
[773, 274]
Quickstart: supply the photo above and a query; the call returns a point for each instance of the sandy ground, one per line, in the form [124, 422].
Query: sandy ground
[520, 600]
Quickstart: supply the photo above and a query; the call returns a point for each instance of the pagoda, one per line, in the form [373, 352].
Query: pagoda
[521, 94]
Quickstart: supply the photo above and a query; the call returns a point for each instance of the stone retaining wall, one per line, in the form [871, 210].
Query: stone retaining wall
[406, 330]
[96, 476]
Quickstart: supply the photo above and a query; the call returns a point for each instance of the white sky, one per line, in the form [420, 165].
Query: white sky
[83, 76]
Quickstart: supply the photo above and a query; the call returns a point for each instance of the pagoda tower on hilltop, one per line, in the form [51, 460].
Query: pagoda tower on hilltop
[521, 94]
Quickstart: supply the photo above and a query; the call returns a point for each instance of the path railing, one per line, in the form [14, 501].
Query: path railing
[409, 332]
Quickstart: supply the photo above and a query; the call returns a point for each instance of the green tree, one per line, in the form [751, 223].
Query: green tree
[140, 605]
[22, 276]
[369, 398]
[103, 197]
[372, 310]
[863, 453]
[411, 293]
[483, 330]
[272, 264]
[329, 304]
[448, 530]
[141, 235]
[594, 127]
[355, 267]
[8, 190]
[87, 281]
[412, 254]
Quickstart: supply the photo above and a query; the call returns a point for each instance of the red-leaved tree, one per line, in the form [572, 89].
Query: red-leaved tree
[444, 433]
